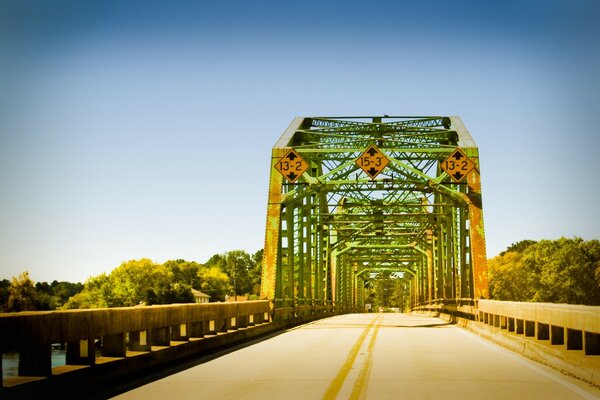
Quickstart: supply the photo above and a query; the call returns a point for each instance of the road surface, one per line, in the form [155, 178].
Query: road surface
[369, 356]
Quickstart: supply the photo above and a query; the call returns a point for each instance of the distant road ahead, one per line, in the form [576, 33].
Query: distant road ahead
[372, 356]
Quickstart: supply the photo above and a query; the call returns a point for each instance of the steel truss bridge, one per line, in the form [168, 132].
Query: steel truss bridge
[332, 228]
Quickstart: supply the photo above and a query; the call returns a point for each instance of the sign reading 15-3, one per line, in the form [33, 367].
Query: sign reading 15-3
[291, 166]
[372, 161]
[458, 165]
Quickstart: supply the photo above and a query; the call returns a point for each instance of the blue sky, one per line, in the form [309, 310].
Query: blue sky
[133, 129]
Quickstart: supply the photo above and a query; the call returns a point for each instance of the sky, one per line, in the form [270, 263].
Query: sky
[133, 129]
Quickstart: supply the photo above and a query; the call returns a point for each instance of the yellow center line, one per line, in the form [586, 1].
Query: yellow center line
[360, 386]
[338, 381]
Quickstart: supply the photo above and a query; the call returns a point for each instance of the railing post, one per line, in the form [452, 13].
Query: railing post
[81, 352]
[138, 341]
[197, 329]
[114, 345]
[35, 360]
[179, 333]
[160, 336]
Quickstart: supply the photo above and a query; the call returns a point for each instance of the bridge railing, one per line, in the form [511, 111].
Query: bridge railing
[100, 335]
[575, 327]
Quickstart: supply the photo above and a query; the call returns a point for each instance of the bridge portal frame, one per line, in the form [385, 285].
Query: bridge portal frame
[336, 220]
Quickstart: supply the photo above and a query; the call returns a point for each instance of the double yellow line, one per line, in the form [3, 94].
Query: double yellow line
[360, 385]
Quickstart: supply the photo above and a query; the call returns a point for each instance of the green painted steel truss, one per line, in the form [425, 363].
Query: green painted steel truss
[335, 226]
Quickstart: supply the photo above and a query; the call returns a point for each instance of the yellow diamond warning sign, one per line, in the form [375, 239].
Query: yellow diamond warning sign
[372, 161]
[458, 165]
[291, 166]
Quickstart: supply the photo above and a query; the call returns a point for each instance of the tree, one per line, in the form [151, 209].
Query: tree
[95, 293]
[255, 272]
[184, 272]
[4, 285]
[62, 291]
[239, 266]
[214, 283]
[22, 295]
[133, 281]
[557, 271]
[510, 279]
[401, 292]
[383, 287]
[567, 271]
[519, 247]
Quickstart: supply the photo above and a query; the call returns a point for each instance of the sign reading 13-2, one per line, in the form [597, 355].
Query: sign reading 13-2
[291, 166]
[458, 165]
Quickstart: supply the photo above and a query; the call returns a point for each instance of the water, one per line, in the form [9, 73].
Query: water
[10, 362]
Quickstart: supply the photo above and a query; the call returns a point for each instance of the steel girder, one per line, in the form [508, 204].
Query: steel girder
[335, 223]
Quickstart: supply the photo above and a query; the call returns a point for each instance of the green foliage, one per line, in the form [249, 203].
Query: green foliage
[139, 282]
[556, 271]
[243, 270]
[133, 280]
[94, 294]
[184, 271]
[142, 282]
[519, 247]
[4, 285]
[509, 279]
[56, 294]
[388, 290]
[22, 295]
[215, 283]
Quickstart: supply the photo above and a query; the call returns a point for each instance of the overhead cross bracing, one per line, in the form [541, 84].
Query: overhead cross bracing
[373, 193]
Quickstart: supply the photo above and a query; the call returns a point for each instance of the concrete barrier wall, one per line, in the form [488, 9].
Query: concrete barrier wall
[573, 327]
[127, 339]
[45, 328]
[577, 317]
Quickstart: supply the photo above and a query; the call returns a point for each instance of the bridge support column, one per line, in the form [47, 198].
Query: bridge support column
[81, 352]
[114, 345]
[35, 360]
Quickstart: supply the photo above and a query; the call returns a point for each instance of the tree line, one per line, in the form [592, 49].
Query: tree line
[552, 271]
[235, 273]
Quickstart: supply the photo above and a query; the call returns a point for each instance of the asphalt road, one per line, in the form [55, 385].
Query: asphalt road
[369, 356]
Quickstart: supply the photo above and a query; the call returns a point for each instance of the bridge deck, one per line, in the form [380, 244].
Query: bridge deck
[374, 356]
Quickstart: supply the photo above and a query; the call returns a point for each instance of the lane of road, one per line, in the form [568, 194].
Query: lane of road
[372, 356]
